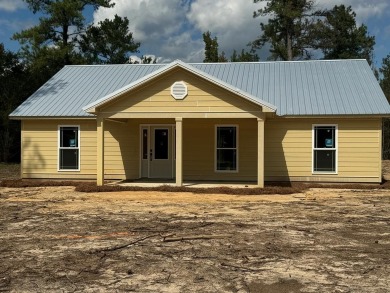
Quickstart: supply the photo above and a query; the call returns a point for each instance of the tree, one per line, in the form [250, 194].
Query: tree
[211, 48]
[145, 59]
[51, 44]
[244, 56]
[385, 85]
[385, 76]
[288, 29]
[338, 36]
[16, 84]
[110, 42]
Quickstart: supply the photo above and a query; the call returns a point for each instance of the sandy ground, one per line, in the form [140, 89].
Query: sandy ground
[54, 239]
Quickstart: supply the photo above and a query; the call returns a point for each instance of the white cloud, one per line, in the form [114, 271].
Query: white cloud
[11, 5]
[158, 25]
[364, 9]
[148, 19]
[172, 29]
[230, 20]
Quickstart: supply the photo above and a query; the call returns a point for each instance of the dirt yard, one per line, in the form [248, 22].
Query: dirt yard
[54, 239]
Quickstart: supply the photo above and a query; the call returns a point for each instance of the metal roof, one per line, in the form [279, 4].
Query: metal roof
[339, 87]
[188, 67]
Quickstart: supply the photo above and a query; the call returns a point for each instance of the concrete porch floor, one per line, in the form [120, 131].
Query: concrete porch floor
[193, 184]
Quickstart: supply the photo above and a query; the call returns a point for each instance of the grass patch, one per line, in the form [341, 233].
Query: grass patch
[270, 188]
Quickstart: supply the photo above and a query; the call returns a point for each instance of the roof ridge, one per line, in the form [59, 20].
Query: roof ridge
[281, 61]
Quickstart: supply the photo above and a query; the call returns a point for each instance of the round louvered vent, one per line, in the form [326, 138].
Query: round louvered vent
[179, 90]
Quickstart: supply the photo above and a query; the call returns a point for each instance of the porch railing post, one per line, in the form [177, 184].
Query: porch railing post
[100, 152]
[260, 152]
[179, 151]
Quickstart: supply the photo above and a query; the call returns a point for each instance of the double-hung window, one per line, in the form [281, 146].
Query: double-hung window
[325, 148]
[69, 148]
[226, 148]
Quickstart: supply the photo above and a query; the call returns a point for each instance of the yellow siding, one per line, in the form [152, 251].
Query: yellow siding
[121, 150]
[288, 149]
[202, 96]
[40, 149]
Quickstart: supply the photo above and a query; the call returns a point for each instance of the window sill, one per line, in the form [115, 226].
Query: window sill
[324, 173]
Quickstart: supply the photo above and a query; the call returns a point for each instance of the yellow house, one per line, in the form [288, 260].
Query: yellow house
[260, 121]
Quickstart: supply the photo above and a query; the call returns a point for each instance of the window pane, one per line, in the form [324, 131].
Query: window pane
[325, 161]
[226, 137]
[161, 144]
[69, 136]
[145, 144]
[226, 159]
[69, 159]
[324, 137]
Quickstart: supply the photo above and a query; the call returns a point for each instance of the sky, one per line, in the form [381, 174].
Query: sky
[172, 29]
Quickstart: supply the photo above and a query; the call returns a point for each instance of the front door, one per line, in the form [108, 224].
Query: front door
[157, 152]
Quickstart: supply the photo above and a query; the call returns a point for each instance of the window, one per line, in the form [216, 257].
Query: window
[161, 144]
[69, 148]
[226, 148]
[144, 143]
[325, 148]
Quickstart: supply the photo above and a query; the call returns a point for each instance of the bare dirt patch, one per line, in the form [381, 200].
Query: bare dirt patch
[324, 240]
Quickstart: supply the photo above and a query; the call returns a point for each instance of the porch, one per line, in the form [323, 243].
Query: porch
[184, 151]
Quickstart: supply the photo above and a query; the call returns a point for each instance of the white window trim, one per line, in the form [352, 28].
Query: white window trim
[215, 148]
[336, 149]
[59, 148]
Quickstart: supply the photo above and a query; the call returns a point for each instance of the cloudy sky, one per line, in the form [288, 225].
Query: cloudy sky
[172, 29]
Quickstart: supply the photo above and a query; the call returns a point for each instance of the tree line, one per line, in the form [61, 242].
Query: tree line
[295, 31]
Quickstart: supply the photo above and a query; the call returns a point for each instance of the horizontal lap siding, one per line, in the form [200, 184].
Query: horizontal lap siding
[202, 96]
[40, 149]
[121, 150]
[288, 149]
[199, 149]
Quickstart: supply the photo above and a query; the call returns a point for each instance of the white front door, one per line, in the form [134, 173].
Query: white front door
[157, 152]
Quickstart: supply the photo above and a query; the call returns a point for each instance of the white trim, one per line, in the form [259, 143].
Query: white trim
[59, 148]
[236, 148]
[336, 149]
[148, 127]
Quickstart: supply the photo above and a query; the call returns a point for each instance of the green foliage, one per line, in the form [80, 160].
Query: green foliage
[16, 84]
[288, 29]
[244, 56]
[385, 85]
[338, 36]
[211, 48]
[385, 76]
[110, 42]
[50, 45]
[212, 54]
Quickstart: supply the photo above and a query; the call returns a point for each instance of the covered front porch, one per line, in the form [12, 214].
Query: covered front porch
[183, 150]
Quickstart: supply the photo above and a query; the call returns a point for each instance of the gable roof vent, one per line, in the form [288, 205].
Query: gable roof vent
[179, 90]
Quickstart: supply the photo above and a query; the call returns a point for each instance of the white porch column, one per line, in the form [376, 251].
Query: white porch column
[179, 151]
[100, 152]
[260, 152]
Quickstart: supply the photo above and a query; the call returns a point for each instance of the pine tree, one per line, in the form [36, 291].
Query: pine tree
[288, 29]
[338, 36]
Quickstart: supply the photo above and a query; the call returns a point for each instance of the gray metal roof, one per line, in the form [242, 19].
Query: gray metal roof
[339, 87]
